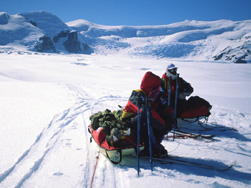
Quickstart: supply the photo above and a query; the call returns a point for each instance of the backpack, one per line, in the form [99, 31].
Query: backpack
[196, 110]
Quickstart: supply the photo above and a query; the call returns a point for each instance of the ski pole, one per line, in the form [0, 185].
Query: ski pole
[176, 96]
[176, 101]
[138, 137]
[169, 93]
[149, 133]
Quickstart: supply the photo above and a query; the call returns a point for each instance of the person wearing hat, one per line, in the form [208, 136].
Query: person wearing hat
[184, 90]
[148, 95]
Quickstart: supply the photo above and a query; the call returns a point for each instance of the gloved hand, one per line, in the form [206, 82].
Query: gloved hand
[183, 95]
[140, 99]
[186, 89]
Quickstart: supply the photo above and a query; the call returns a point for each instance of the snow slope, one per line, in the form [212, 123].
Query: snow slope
[39, 31]
[46, 101]
[221, 40]
[14, 28]
[189, 39]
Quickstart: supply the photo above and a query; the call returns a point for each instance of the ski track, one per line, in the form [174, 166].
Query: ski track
[103, 172]
[106, 175]
[34, 158]
[26, 169]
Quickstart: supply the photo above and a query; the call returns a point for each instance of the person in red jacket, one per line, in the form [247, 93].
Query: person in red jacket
[160, 120]
[193, 107]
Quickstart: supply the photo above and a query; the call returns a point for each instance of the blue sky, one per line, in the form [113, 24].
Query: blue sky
[134, 12]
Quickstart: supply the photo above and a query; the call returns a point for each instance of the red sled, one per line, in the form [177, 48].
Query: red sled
[118, 150]
[192, 115]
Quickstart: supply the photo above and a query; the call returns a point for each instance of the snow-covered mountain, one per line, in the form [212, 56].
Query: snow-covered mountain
[40, 31]
[203, 40]
[222, 40]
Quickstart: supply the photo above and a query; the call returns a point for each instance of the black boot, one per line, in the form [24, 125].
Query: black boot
[159, 151]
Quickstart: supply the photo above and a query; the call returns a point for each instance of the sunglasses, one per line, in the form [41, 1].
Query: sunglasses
[173, 71]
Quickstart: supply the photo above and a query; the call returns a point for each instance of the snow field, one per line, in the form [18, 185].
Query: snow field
[46, 101]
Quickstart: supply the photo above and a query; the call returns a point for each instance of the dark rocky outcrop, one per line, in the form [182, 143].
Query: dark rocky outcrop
[72, 44]
[45, 44]
[62, 34]
[239, 54]
[241, 60]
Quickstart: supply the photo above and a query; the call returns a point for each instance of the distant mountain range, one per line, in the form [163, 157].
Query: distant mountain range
[222, 40]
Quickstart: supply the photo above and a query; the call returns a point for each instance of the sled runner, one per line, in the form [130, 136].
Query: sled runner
[113, 139]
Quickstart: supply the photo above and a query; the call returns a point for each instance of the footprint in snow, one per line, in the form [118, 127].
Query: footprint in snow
[58, 174]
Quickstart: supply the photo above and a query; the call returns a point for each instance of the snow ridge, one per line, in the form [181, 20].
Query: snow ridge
[221, 40]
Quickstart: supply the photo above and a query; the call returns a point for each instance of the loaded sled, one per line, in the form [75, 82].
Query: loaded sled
[113, 139]
[197, 111]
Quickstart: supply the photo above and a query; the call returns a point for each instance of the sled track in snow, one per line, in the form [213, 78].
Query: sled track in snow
[34, 157]
[105, 175]
[54, 141]
[82, 96]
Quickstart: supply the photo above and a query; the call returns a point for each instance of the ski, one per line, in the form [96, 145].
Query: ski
[194, 135]
[190, 162]
[184, 135]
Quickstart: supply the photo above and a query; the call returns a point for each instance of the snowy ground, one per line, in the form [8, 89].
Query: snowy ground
[46, 101]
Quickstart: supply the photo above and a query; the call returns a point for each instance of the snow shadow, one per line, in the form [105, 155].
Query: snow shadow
[81, 64]
[230, 174]
[221, 131]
